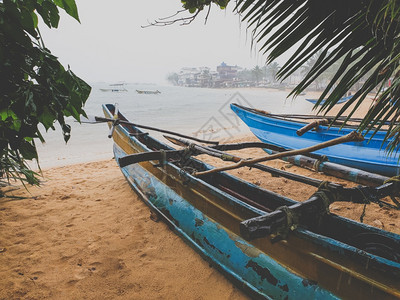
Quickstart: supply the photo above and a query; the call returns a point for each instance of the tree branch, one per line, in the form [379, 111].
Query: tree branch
[165, 22]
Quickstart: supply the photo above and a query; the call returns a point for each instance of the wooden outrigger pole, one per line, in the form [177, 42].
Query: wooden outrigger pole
[351, 137]
[361, 194]
[333, 169]
[284, 219]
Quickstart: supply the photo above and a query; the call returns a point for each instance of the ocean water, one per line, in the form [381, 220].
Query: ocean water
[199, 112]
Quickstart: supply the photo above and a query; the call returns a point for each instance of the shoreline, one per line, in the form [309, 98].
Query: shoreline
[89, 142]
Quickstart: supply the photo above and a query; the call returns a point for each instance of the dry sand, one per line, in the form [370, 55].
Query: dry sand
[84, 234]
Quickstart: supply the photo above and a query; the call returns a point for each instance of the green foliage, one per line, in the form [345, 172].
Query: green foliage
[257, 73]
[245, 75]
[363, 36]
[194, 6]
[173, 78]
[35, 88]
[272, 69]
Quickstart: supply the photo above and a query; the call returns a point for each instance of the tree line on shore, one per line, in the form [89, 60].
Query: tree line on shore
[258, 76]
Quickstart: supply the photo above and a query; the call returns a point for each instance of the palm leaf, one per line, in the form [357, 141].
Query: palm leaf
[364, 34]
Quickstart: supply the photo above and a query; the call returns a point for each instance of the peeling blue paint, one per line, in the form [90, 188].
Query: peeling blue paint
[260, 274]
[241, 261]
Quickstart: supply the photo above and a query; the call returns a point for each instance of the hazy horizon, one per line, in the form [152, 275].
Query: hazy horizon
[110, 46]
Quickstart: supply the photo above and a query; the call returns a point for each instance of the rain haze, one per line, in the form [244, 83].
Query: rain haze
[110, 44]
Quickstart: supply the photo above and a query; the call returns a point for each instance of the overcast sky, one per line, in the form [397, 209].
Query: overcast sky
[110, 45]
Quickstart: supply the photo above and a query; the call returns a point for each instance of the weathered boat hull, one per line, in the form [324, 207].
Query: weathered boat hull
[251, 269]
[368, 155]
[206, 214]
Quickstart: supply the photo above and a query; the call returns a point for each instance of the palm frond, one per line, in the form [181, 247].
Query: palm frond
[363, 34]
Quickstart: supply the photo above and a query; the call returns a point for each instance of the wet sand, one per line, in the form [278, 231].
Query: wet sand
[84, 234]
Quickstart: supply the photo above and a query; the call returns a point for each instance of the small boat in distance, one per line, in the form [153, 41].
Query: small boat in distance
[281, 130]
[115, 87]
[341, 100]
[148, 92]
[114, 90]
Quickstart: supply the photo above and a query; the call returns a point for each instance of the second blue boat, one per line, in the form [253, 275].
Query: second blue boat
[368, 155]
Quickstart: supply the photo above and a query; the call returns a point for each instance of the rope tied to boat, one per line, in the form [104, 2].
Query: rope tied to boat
[185, 157]
[365, 200]
[393, 179]
[327, 194]
[363, 213]
[227, 157]
[292, 221]
[187, 152]
[318, 162]
[396, 180]
[358, 194]
[192, 147]
[163, 159]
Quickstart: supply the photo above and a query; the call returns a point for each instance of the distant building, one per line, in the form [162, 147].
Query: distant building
[224, 76]
[227, 73]
[196, 77]
[188, 76]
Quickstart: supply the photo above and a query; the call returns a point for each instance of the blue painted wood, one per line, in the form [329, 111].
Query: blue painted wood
[368, 155]
[239, 260]
[341, 100]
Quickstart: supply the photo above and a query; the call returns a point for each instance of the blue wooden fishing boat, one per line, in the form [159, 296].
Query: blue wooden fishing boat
[280, 130]
[328, 257]
[341, 100]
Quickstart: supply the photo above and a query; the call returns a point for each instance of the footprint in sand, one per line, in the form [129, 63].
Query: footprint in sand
[81, 272]
[72, 282]
[94, 265]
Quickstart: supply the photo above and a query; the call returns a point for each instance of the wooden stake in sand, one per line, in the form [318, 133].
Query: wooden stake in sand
[351, 137]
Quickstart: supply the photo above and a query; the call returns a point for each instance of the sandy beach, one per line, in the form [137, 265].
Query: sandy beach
[84, 234]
